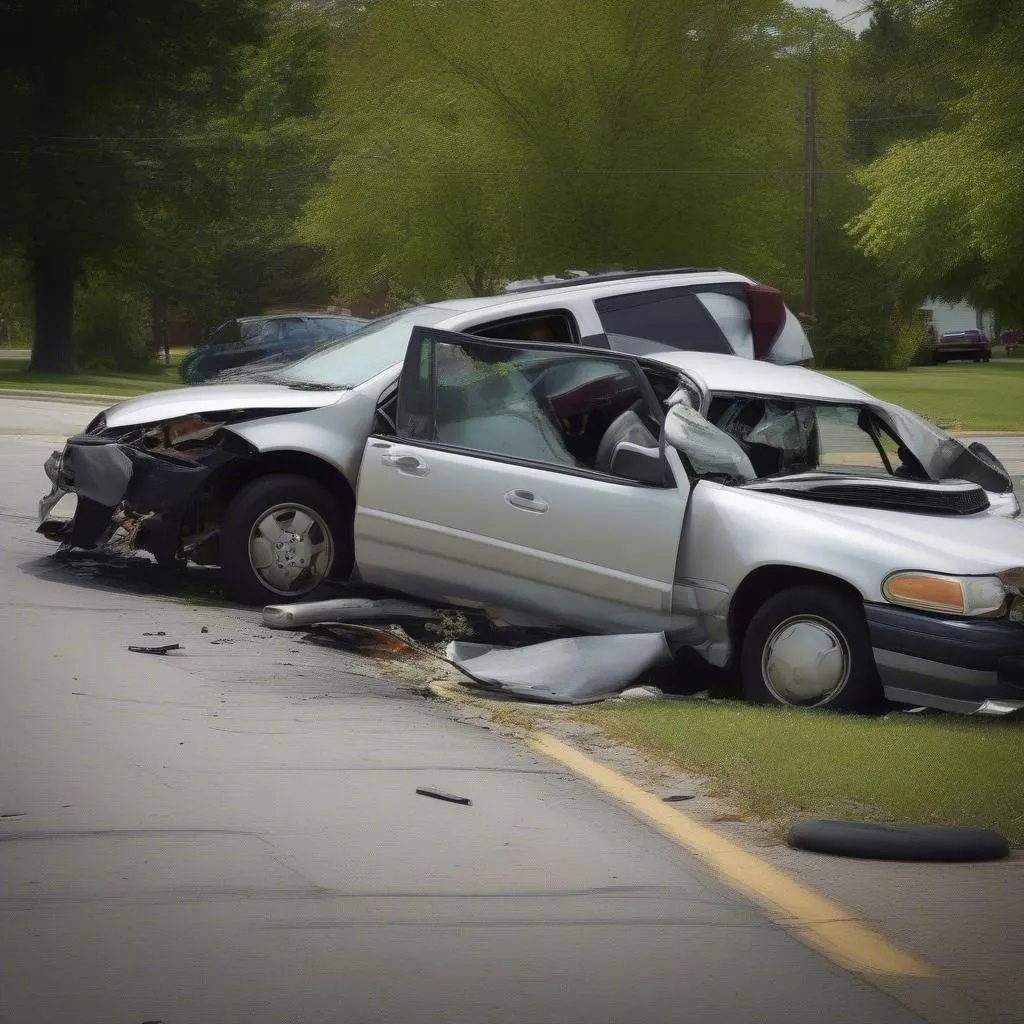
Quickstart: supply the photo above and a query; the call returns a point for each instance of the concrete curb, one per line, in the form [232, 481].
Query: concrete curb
[72, 397]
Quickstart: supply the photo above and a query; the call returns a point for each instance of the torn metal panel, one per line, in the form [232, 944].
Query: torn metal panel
[347, 609]
[97, 470]
[572, 670]
[123, 484]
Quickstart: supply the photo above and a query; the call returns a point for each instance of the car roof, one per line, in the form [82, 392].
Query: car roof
[594, 288]
[730, 374]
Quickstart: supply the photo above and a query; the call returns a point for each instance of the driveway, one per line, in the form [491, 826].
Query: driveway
[232, 833]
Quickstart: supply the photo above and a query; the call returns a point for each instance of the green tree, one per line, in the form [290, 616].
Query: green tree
[217, 239]
[503, 137]
[945, 210]
[91, 89]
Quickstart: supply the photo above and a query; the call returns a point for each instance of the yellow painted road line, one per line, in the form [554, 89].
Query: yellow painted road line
[827, 927]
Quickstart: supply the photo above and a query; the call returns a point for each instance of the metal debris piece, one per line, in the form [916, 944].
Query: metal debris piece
[438, 794]
[572, 670]
[677, 798]
[345, 609]
[153, 648]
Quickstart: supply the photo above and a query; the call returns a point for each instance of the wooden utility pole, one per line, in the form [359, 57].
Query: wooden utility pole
[810, 196]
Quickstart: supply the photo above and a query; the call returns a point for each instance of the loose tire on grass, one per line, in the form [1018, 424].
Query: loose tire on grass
[808, 647]
[283, 502]
[898, 842]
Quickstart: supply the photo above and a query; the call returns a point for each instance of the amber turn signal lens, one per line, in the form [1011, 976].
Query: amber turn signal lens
[932, 593]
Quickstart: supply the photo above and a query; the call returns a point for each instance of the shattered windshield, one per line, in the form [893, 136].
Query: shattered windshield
[743, 438]
[750, 438]
[362, 355]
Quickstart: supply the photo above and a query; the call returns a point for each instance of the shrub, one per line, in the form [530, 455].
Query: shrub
[111, 326]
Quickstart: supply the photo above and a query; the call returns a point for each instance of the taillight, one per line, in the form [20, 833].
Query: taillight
[767, 317]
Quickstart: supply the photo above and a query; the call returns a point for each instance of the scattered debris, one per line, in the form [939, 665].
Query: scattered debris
[369, 641]
[878, 841]
[205, 629]
[641, 693]
[438, 794]
[14, 814]
[153, 648]
[570, 670]
[161, 633]
[679, 798]
[346, 609]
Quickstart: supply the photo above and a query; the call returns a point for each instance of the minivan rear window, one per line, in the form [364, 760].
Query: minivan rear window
[668, 318]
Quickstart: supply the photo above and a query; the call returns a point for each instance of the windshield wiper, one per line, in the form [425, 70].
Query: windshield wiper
[308, 385]
[297, 385]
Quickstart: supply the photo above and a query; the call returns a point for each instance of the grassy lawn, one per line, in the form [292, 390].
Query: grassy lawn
[957, 396]
[14, 374]
[779, 764]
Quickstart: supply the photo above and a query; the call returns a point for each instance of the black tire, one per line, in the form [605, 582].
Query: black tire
[251, 505]
[830, 615]
[898, 842]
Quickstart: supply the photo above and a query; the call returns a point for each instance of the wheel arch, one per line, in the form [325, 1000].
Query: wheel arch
[768, 580]
[240, 472]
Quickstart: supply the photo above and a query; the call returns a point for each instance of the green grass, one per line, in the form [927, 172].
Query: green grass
[957, 396]
[15, 374]
[778, 764]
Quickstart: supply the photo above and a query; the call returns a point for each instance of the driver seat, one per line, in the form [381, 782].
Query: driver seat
[625, 427]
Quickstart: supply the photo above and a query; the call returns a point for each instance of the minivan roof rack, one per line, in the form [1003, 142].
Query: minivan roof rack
[574, 277]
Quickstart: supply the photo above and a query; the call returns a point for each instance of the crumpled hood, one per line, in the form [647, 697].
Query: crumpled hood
[208, 398]
[976, 544]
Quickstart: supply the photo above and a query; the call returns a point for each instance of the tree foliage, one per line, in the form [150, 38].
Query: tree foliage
[504, 137]
[93, 89]
[945, 210]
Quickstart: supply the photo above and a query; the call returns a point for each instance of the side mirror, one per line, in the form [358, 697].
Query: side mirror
[643, 465]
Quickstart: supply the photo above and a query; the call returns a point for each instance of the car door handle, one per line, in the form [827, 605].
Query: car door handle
[411, 464]
[526, 500]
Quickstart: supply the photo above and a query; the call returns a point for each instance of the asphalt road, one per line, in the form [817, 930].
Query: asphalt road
[231, 834]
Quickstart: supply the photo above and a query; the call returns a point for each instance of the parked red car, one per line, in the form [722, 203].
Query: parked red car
[971, 344]
[1011, 340]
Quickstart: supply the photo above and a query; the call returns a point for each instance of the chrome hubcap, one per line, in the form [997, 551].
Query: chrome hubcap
[291, 549]
[806, 662]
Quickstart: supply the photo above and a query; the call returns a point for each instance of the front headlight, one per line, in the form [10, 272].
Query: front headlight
[954, 595]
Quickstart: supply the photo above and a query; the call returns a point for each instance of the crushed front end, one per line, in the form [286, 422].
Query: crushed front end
[141, 487]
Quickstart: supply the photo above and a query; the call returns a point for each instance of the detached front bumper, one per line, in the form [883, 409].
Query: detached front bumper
[970, 666]
[121, 486]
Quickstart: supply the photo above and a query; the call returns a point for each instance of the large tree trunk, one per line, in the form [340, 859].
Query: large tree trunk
[53, 277]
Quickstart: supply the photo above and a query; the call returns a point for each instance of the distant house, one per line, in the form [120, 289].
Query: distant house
[958, 316]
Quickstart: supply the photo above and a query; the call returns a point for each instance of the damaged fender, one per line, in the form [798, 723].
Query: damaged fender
[144, 490]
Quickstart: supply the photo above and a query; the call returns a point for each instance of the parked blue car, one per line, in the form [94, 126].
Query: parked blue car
[269, 341]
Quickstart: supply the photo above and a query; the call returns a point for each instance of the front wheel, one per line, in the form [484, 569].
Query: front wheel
[281, 537]
[808, 647]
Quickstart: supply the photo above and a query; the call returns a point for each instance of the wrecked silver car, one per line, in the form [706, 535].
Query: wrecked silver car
[825, 547]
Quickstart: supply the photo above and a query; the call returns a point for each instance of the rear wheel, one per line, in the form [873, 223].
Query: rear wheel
[281, 537]
[808, 647]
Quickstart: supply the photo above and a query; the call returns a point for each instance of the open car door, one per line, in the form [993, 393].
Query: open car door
[527, 477]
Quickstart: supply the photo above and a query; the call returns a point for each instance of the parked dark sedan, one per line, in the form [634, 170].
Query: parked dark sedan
[973, 345]
[269, 340]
